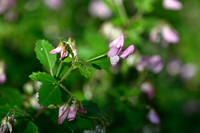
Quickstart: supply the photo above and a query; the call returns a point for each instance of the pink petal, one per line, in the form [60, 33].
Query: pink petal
[63, 113]
[156, 63]
[113, 51]
[169, 35]
[2, 77]
[147, 88]
[118, 42]
[172, 4]
[114, 60]
[72, 113]
[99, 9]
[56, 50]
[127, 52]
[53, 4]
[153, 117]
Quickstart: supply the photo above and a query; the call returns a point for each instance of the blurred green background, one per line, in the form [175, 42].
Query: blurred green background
[176, 100]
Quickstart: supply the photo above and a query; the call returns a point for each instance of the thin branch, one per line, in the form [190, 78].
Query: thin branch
[98, 57]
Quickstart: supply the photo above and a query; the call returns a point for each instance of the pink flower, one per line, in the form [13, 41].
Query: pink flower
[2, 72]
[53, 4]
[60, 49]
[99, 9]
[153, 63]
[66, 112]
[63, 47]
[147, 88]
[169, 35]
[115, 52]
[5, 5]
[156, 64]
[153, 117]
[70, 112]
[172, 4]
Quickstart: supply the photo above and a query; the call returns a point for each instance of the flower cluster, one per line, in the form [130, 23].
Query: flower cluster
[115, 53]
[153, 63]
[176, 67]
[65, 48]
[69, 112]
[165, 34]
[8, 123]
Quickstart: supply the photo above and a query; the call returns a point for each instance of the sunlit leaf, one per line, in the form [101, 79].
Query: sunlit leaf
[42, 50]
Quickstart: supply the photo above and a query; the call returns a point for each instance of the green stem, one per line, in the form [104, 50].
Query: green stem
[18, 112]
[121, 10]
[65, 89]
[70, 69]
[51, 72]
[38, 113]
[96, 58]
[59, 68]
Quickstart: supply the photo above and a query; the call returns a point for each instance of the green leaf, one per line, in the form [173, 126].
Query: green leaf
[31, 128]
[10, 96]
[70, 50]
[67, 59]
[42, 52]
[101, 63]
[132, 93]
[86, 71]
[42, 77]
[61, 39]
[49, 94]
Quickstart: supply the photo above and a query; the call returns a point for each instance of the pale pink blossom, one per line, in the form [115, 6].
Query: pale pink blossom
[170, 35]
[172, 4]
[148, 89]
[5, 5]
[174, 67]
[69, 112]
[60, 49]
[156, 63]
[188, 71]
[153, 117]
[152, 63]
[99, 9]
[53, 4]
[115, 53]
[163, 34]
[3, 77]
[63, 47]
